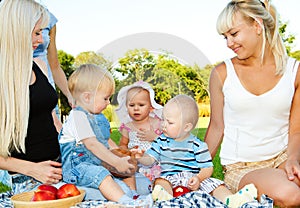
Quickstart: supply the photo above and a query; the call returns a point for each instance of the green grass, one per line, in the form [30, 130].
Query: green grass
[3, 188]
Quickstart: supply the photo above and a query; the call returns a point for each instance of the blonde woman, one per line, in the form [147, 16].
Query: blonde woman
[29, 148]
[255, 99]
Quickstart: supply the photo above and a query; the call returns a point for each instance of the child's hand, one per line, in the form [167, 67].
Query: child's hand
[194, 183]
[123, 165]
[147, 135]
[137, 153]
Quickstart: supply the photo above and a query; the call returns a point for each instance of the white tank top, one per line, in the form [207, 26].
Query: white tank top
[256, 127]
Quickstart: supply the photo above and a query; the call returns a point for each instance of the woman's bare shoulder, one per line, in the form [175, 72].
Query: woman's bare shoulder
[219, 72]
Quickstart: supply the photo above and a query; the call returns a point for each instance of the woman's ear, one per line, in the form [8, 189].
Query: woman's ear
[258, 23]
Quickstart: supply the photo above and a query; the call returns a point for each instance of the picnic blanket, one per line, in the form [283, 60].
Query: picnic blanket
[204, 200]
[193, 199]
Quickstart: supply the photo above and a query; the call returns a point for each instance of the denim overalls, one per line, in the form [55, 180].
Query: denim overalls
[80, 166]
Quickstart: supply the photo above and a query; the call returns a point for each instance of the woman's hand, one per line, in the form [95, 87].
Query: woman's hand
[47, 172]
[292, 168]
[194, 183]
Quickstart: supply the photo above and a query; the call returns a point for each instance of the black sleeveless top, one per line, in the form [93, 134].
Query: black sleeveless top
[42, 138]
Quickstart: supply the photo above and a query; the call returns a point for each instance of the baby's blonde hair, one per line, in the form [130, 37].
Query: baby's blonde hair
[254, 10]
[188, 108]
[90, 77]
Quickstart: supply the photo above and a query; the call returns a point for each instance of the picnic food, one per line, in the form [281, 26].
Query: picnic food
[180, 190]
[67, 190]
[44, 192]
[121, 152]
[45, 187]
[43, 196]
[48, 192]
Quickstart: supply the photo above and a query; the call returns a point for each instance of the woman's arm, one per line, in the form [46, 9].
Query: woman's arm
[48, 172]
[293, 150]
[214, 133]
[57, 72]
[57, 122]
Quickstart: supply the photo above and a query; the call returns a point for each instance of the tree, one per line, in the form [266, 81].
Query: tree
[296, 55]
[288, 39]
[66, 62]
[135, 64]
[91, 57]
[167, 76]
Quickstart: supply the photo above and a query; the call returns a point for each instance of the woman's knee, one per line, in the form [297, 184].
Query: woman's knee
[288, 197]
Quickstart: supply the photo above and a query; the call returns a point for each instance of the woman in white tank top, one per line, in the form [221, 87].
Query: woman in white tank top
[255, 105]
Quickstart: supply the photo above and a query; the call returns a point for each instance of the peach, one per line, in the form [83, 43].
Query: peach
[67, 190]
[43, 196]
[45, 187]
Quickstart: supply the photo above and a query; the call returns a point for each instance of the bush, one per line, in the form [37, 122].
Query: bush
[204, 110]
[110, 114]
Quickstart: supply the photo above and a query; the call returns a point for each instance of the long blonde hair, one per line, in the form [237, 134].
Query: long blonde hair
[18, 19]
[256, 9]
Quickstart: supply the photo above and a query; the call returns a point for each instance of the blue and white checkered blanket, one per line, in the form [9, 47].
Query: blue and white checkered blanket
[204, 200]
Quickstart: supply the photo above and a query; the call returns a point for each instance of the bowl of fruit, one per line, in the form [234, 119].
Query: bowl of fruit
[47, 196]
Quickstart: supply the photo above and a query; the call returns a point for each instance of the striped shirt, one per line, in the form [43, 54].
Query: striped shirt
[174, 157]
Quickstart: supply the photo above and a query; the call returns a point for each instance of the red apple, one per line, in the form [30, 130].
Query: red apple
[180, 190]
[45, 187]
[67, 190]
[43, 196]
